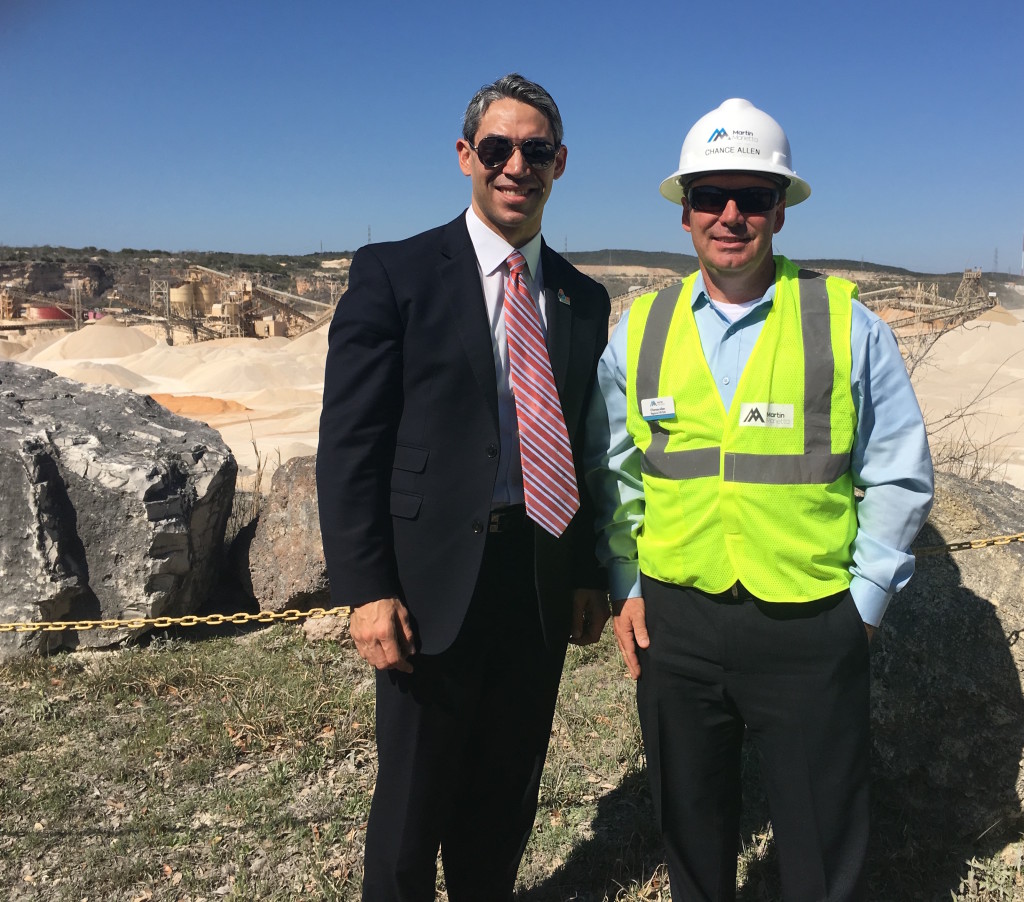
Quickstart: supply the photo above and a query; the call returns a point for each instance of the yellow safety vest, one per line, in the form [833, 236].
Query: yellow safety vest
[762, 493]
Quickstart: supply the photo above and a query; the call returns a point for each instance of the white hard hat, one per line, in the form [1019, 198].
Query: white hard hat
[736, 137]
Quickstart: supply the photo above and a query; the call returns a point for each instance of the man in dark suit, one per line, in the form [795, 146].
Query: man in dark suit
[463, 596]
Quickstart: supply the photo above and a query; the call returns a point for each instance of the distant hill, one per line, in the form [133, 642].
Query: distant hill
[158, 260]
[680, 263]
[290, 263]
[862, 266]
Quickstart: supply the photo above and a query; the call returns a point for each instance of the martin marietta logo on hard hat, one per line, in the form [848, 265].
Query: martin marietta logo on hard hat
[735, 135]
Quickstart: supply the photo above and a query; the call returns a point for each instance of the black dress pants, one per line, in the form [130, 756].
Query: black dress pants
[461, 743]
[795, 679]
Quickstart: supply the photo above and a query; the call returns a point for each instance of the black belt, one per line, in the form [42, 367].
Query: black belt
[507, 519]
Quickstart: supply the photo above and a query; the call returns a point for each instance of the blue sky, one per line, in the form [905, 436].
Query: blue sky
[259, 127]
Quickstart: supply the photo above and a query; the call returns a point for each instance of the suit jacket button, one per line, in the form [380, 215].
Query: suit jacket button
[478, 527]
[492, 451]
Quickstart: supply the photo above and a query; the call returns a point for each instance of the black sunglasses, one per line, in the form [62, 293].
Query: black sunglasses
[495, 151]
[749, 201]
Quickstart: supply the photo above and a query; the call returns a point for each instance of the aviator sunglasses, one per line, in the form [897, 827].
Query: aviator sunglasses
[712, 199]
[495, 151]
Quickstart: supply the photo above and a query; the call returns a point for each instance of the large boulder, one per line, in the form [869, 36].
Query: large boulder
[286, 559]
[113, 508]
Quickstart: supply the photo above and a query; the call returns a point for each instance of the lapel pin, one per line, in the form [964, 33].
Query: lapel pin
[563, 298]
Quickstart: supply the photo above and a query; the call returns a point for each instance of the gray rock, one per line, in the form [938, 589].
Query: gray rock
[113, 508]
[286, 558]
[332, 628]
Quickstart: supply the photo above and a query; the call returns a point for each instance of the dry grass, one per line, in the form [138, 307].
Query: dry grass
[240, 766]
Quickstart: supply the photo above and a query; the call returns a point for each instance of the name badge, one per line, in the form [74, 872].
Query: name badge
[658, 408]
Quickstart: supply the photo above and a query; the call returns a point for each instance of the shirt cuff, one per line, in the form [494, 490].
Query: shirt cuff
[871, 601]
[623, 580]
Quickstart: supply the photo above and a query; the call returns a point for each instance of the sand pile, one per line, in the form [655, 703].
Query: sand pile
[98, 373]
[197, 407]
[251, 372]
[999, 314]
[310, 343]
[279, 398]
[104, 339]
[165, 363]
[979, 366]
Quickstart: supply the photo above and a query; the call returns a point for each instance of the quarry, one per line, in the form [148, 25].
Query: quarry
[238, 341]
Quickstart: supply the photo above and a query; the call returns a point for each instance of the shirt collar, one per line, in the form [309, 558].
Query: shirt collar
[492, 250]
[700, 296]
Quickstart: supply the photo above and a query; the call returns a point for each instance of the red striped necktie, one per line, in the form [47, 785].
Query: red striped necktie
[549, 477]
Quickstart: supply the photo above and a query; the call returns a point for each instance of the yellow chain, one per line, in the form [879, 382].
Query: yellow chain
[136, 623]
[963, 546]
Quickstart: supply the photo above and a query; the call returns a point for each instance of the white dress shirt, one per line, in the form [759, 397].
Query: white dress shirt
[491, 253]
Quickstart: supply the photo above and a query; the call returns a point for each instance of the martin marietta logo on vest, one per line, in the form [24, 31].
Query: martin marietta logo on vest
[772, 416]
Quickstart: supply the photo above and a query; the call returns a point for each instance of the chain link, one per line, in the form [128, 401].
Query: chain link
[137, 623]
[964, 546]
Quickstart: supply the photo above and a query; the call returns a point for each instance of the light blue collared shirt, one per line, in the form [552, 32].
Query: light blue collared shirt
[890, 459]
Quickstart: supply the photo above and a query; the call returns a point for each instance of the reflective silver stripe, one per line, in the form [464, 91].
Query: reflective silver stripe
[819, 364]
[816, 465]
[690, 464]
[784, 469]
[652, 344]
[656, 460]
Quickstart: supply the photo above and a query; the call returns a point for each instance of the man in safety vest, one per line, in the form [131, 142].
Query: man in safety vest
[760, 467]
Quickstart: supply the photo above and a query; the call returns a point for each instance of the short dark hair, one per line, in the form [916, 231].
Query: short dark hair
[513, 87]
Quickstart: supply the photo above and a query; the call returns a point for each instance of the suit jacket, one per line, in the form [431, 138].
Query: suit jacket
[409, 436]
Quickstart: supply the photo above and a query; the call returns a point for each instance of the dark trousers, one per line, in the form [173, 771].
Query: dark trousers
[461, 744]
[795, 679]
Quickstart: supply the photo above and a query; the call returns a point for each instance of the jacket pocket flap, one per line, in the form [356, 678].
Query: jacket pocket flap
[411, 458]
[405, 505]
